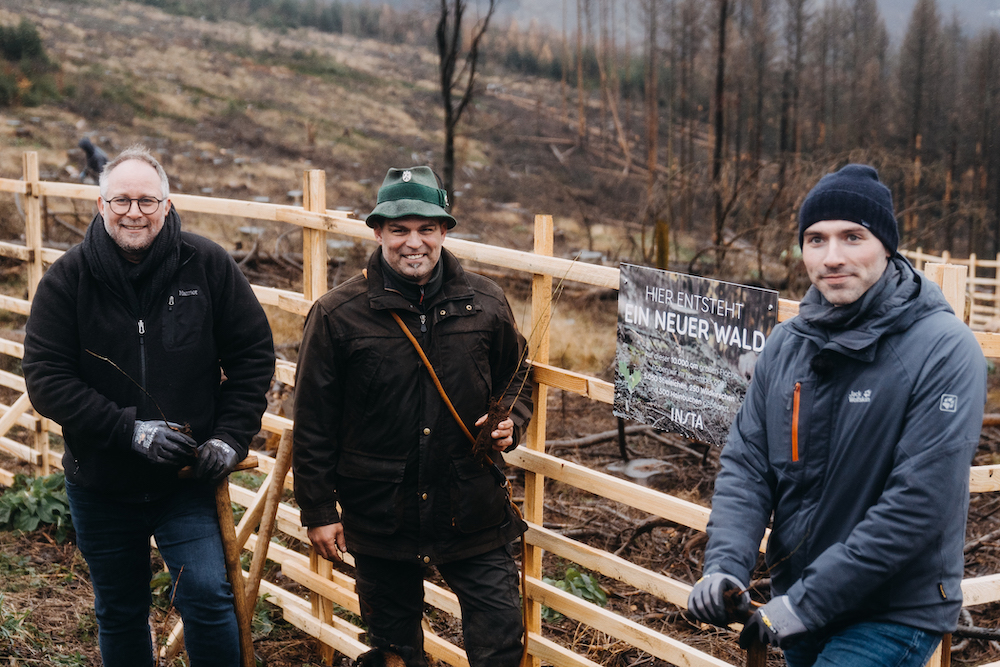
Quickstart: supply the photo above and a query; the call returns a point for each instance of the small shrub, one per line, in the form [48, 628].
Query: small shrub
[581, 585]
[32, 502]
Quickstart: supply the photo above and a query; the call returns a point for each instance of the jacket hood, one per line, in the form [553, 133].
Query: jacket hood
[901, 297]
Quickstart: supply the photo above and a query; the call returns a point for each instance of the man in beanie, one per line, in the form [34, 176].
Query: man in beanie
[148, 346]
[373, 433]
[857, 434]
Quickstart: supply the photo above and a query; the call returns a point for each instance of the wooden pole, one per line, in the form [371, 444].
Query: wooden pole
[314, 240]
[757, 654]
[951, 278]
[322, 608]
[33, 221]
[234, 571]
[534, 484]
[282, 462]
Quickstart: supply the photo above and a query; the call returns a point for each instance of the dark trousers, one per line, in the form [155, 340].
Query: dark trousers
[392, 604]
[114, 537]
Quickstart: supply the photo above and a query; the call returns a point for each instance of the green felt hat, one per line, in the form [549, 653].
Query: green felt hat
[408, 192]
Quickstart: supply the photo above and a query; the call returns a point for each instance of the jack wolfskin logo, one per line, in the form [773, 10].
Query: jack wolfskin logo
[949, 403]
[860, 396]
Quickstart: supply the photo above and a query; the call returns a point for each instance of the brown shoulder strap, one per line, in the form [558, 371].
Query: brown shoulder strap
[430, 369]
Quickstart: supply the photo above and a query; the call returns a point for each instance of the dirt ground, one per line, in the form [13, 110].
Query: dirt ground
[47, 612]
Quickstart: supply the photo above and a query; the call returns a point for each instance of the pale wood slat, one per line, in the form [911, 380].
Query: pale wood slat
[674, 509]
[650, 641]
[554, 654]
[22, 452]
[980, 590]
[12, 413]
[663, 587]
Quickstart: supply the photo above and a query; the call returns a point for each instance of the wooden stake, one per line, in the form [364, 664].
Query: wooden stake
[33, 222]
[314, 240]
[951, 278]
[282, 462]
[534, 484]
[234, 571]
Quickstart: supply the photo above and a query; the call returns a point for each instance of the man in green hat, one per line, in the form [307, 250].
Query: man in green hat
[374, 433]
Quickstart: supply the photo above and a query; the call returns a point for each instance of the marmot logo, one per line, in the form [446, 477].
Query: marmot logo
[860, 396]
[187, 292]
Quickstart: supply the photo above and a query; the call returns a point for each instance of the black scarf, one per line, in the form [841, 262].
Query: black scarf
[138, 283]
[418, 295]
[855, 326]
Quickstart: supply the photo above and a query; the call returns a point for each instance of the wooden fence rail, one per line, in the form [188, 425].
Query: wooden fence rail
[332, 591]
[983, 286]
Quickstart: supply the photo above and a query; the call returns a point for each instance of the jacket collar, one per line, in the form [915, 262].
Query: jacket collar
[902, 297]
[455, 286]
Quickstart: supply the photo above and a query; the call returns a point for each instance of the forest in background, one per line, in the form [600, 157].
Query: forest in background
[728, 111]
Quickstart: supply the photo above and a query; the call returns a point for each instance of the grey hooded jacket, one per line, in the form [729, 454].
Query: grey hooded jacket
[858, 435]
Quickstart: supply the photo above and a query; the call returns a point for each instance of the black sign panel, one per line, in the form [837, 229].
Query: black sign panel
[686, 349]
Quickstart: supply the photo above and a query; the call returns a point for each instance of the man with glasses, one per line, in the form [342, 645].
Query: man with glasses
[148, 346]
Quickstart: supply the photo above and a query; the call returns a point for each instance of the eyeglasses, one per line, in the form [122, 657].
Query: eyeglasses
[122, 205]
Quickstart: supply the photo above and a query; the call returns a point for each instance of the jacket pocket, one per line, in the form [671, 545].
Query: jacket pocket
[368, 490]
[789, 416]
[184, 320]
[477, 501]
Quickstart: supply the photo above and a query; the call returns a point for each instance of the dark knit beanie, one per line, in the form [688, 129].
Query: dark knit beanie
[855, 194]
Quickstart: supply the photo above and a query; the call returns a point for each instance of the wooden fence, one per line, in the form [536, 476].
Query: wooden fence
[332, 592]
[982, 286]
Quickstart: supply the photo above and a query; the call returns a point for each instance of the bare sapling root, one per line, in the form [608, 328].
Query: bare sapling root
[483, 448]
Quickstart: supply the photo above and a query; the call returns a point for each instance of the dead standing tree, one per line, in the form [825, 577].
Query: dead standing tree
[454, 81]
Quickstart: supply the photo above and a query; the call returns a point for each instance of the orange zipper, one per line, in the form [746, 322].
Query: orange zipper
[795, 421]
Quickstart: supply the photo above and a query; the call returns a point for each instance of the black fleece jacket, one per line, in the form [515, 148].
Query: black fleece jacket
[96, 360]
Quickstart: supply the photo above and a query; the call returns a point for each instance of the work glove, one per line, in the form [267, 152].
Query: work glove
[775, 623]
[216, 459]
[707, 599]
[163, 443]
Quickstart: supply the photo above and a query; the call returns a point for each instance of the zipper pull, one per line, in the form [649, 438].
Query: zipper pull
[170, 303]
[795, 421]
[142, 328]
[423, 324]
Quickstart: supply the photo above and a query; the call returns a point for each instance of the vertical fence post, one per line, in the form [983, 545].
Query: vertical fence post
[322, 608]
[534, 484]
[33, 221]
[42, 444]
[314, 240]
[951, 279]
[313, 287]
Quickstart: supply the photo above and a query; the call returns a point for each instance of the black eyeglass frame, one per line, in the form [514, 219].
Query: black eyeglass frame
[138, 202]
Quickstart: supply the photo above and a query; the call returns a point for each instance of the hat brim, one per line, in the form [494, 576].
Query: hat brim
[403, 208]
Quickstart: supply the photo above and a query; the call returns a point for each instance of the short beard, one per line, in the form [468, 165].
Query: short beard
[128, 249]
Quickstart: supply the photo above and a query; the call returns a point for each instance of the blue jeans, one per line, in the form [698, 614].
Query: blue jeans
[392, 604]
[865, 645]
[113, 537]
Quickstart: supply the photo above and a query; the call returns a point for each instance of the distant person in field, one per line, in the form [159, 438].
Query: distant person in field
[857, 433]
[373, 433]
[148, 346]
[94, 160]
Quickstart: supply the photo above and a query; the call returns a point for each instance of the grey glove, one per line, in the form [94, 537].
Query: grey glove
[163, 443]
[707, 599]
[216, 459]
[775, 623]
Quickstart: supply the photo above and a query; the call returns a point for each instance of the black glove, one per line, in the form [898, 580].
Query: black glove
[775, 623]
[707, 602]
[163, 443]
[216, 459]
